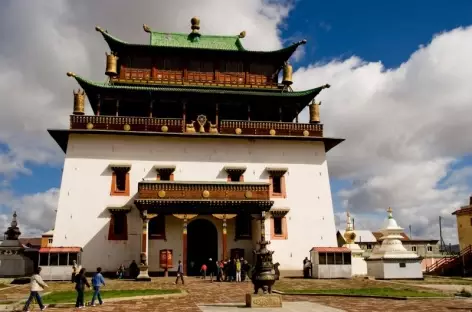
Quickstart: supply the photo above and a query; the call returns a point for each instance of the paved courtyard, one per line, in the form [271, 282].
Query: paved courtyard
[203, 295]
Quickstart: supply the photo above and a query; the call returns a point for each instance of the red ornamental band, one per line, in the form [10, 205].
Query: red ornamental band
[165, 259]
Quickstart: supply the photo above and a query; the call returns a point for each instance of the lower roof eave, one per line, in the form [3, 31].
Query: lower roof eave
[203, 206]
[61, 136]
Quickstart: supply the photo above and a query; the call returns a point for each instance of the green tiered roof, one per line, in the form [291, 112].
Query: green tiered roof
[187, 41]
[89, 85]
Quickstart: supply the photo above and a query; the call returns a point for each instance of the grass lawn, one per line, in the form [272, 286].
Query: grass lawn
[384, 292]
[71, 296]
[444, 280]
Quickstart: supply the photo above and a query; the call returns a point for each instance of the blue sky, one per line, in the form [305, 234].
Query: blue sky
[336, 30]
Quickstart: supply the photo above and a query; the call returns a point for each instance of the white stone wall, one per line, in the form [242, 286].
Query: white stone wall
[392, 270]
[82, 218]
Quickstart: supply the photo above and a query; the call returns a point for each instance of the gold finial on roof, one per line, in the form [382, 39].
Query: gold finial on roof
[98, 28]
[146, 28]
[70, 74]
[195, 24]
[242, 34]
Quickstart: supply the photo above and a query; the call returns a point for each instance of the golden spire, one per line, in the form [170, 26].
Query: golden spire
[389, 210]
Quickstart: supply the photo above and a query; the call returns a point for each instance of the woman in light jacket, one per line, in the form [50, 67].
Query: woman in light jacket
[36, 285]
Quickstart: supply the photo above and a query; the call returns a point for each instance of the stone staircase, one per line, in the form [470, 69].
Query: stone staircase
[457, 265]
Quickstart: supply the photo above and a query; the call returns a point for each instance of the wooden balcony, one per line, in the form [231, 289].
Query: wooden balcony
[126, 123]
[185, 77]
[177, 125]
[207, 191]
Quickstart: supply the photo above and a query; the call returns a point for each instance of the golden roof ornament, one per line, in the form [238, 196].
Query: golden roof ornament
[242, 34]
[79, 102]
[146, 28]
[70, 74]
[287, 76]
[349, 234]
[314, 109]
[195, 21]
[389, 210]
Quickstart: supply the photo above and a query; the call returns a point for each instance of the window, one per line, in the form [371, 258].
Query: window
[278, 226]
[347, 258]
[413, 248]
[338, 258]
[235, 177]
[118, 226]
[402, 265]
[430, 248]
[322, 258]
[165, 173]
[63, 259]
[50, 241]
[330, 258]
[277, 182]
[53, 259]
[72, 257]
[277, 185]
[157, 227]
[44, 259]
[369, 246]
[243, 226]
[120, 180]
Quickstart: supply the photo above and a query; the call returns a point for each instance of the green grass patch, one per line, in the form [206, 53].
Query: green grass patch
[383, 292]
[71, 296]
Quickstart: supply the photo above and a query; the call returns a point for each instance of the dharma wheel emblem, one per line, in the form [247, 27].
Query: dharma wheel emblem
[161, 194]
[306, 133]
[238, 131]
[206, 194]
[248, 194]
[90, 126]
[272, 132]
[127, 127]
[164, 128]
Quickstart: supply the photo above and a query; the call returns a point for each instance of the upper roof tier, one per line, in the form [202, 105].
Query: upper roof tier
[194, 41]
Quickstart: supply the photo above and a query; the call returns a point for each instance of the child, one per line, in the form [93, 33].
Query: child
[203, 271]
[97, 281]
[238, 270]
[80, 283]
[36, 285]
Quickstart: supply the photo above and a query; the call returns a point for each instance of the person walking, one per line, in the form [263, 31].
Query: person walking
[203, 271]
[238, 270]
[80, 283]
[74, 270]
[97, 282]
[36, 285]
[180, 273]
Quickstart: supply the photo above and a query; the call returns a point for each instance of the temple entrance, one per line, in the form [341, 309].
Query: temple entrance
[202, 244]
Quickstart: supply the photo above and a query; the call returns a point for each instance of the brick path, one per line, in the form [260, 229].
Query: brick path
[204, 292]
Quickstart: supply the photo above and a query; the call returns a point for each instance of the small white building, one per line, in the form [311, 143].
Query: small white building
[358, 265]
[331, 262]
[391, 260]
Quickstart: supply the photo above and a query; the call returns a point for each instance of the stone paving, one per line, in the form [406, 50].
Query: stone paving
[202, 293]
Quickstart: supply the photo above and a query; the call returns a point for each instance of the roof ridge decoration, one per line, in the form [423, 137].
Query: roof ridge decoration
[194, 40]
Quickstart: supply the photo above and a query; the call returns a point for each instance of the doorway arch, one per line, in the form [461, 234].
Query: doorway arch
[202, 244]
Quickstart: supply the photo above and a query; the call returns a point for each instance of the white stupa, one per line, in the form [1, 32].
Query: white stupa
[391, 260]
[358, 264]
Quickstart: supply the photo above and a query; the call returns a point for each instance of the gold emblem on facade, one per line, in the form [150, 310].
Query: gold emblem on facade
[272, 132]
[127, 127]
[164, 128]
[248, 194]
[238, 131]
[206, 194]
[90, 126]
[161, 194]
[306, 133]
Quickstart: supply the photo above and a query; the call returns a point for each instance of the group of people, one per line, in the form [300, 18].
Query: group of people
[37, 285]
[235, 269]
[133, 271]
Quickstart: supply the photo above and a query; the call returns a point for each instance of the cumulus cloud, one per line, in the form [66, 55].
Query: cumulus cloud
[404, 127]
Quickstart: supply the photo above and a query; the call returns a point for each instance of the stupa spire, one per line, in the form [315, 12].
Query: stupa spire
[389, 210]
[13, 231]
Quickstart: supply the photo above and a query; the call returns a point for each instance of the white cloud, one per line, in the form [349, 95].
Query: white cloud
[404, 128]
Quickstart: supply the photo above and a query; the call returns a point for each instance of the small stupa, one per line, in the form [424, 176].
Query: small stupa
[13, 262]
[358, 264]
[391, 260]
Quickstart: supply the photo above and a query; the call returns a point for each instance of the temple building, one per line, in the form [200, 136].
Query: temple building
[192, 140]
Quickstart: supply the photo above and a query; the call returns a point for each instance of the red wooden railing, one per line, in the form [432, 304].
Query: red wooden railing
[447, 262]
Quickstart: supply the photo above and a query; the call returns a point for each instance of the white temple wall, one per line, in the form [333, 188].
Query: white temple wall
[392, 270]
[82, 218]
